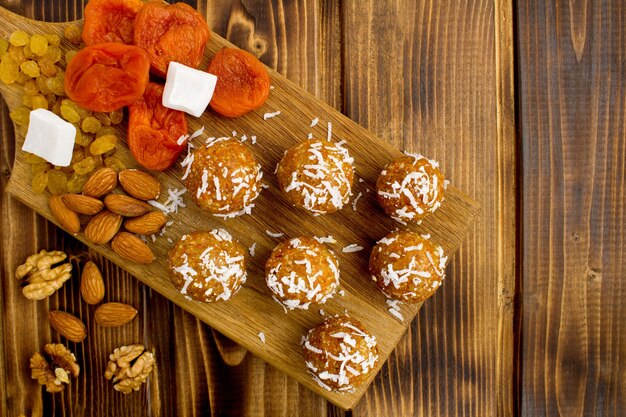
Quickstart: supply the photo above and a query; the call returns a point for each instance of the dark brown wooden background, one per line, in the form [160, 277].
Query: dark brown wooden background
[523, 102]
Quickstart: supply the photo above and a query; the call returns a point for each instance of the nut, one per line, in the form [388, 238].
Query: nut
[114, 314]
[67, 325]
[140, 184]
[54, 369]
[91, 284]
[43, 280]
[126, 376]
[103, 227]
[130, 247]
[147, 224]
[83, 204]
[126, 206]
[66, 217]
[100, 183]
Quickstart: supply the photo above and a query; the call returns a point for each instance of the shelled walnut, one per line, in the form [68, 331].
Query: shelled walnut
[43, 280]
[54, 368]
[129, 367]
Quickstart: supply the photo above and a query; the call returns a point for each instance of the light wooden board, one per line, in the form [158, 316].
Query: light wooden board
[253, 310]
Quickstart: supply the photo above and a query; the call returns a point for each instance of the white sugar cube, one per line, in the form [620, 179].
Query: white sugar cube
[50, 137]
[188, 89]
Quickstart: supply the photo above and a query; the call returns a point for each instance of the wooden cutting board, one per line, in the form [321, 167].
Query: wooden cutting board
[252, 310]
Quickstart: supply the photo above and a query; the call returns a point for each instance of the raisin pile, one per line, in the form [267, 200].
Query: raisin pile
[37, 63]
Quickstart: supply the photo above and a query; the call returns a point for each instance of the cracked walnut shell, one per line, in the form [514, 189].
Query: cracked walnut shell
[43, 280]
[54, 368]
[129, 367]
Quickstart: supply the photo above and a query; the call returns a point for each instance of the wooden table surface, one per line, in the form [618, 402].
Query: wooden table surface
[524, 105]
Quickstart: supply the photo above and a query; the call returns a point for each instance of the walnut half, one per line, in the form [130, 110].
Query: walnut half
[42, 280]
[55, 368]
[129, 366]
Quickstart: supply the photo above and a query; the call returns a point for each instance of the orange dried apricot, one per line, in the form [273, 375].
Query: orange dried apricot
[174, 32]
[110, 21]
[153, 130]
[107, 76]
[243, 83]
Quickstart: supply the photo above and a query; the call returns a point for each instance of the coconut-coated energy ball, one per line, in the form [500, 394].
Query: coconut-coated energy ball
[317, 175]
[207, 266]
[407, 266]
[223, 177]
[340, 354]
[410, 188]
[301, 271]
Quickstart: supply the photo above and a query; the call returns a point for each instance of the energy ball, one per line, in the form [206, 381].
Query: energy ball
[339, 353]
[301, 271]
[316, 175]
[407, 266]
[207, 266]
[223, 177]
[410, 187]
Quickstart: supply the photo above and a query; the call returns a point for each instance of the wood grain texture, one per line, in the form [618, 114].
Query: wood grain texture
[447, 227]
[573, 119]
[437, 77]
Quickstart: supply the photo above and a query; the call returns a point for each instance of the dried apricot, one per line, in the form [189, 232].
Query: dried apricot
[153, 130]
[107, 76]
[110, 21]
[243, 83]
[174, 32]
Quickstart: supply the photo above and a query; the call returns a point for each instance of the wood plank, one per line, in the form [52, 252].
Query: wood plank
[573, 121]
[437, 78]
[443, 234]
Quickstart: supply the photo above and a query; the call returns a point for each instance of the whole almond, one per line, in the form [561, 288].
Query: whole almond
[100, 183]
[91, 284]
[103, 227]
[147, 224]
[140, 184]
[69, 326]
[114, 314]
[66, 217]
[126, 206]
[83, 204]
[130, 247]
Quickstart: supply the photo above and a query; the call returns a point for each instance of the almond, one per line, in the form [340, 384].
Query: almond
[69, 326]
[66, 217]
[100, 183]
[130, 247]
[147, 224]
[126, 206]
[103, 227]
[114, 314]
[91, 284]
[140, 184]
[83, 204]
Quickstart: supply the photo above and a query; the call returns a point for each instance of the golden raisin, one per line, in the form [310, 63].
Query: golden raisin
[41, 84]
[38, 102]
[30, 88]
[30, 68]
[54, 54]
[69, 55]
[33, 159]
[69, 114]
[53, 39]
[9, 69]
[57, 182]
[76, 182]
[17, 53]
[73, 34]
[85, 166]
[115, 163]
[103, 144]
[91, 124]
[4, 46]
[28, 53]
[40, 182]
[116, 116]
[20, 116]
[39, 44]
[103, 118]
[19, 38]
[47, 67]
[105, 130]
[55, 85]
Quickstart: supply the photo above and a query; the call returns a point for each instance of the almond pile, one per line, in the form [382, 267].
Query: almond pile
[107, 211]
